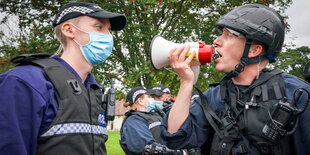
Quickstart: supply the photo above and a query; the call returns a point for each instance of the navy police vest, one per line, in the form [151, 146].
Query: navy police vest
[79, 126]
[154, 121]
[238, 127]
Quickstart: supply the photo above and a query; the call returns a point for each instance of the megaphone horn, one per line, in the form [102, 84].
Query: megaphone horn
[160, 48]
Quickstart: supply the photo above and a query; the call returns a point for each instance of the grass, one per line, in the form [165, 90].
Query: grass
[112, 145]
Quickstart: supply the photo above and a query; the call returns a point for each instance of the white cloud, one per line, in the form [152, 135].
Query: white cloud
[298, 17]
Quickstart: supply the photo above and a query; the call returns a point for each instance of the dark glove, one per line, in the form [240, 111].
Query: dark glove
[159, 149]
[167, 107]
[193, 151]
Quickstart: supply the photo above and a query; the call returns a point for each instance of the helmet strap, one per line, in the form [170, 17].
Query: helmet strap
[245, 60]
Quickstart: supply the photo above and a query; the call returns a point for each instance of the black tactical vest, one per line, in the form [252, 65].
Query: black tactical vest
[78, 127]
[245, 115]
[154, 121]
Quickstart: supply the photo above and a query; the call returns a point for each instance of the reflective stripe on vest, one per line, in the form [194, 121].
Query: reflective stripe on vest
[152, 125]
[67, 128]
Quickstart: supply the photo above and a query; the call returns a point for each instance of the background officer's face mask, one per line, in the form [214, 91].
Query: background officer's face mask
[154, 105]
[99, 47]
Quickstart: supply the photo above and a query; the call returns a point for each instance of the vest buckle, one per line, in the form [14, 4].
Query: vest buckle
[242, 148]
[75, 86]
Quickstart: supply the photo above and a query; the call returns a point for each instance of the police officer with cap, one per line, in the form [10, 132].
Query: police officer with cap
[53, 105]
[140, 131]
[253, 110]
[164, 94]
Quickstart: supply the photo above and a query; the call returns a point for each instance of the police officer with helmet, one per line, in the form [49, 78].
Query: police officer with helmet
[253, 109]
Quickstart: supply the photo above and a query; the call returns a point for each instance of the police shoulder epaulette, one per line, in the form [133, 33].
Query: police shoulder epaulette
[26, 58]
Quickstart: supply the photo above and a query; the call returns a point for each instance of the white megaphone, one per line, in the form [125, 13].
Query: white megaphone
[161, 47]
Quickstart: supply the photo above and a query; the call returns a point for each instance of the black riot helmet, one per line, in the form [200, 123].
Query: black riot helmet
[256, 22]
[307, 72]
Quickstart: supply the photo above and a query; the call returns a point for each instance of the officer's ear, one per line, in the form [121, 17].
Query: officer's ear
[140, 100]
[256, 50]
[67, 30]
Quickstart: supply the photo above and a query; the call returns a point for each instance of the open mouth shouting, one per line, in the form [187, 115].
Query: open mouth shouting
[217, 56]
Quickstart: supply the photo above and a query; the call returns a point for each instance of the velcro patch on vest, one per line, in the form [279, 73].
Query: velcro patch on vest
[101, 119]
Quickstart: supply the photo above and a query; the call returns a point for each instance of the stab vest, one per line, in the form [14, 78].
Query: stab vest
[239, 125]
[79, 126]
[153, 120]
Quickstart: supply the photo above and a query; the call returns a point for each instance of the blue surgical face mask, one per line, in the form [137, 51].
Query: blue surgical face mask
[154, 105]
[99, 47]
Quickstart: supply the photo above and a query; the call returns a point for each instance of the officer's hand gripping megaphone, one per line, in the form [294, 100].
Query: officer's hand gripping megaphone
[161, 47]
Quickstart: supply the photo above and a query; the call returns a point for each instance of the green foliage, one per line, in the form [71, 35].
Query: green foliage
[179, 21]
[176, 20]
[293, 60]
[35, 36]
[38, 41]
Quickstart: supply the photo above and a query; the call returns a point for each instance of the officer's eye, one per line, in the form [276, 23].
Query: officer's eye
[99, 27]
[220, 31]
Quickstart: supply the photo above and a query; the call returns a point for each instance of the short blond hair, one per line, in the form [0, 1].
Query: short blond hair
[59, 35]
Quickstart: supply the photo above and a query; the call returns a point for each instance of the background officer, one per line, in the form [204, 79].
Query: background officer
[140, 131]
